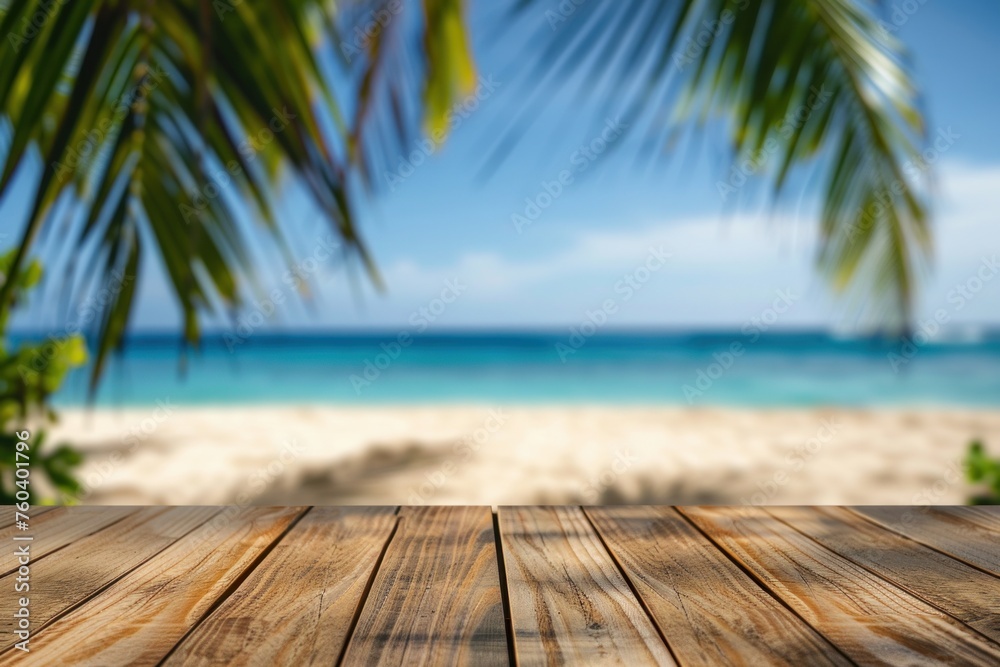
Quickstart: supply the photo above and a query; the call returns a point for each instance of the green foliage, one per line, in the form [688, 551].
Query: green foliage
[29, 375]
[985, 472]
[814, 86]
[175, 125]
[164, 123]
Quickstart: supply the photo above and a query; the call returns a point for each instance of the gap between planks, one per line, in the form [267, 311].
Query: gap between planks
[631, 585]
[980, 524]
[236, 583]
[865, 615]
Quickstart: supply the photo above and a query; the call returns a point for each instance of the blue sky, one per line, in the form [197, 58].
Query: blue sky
[449, 222]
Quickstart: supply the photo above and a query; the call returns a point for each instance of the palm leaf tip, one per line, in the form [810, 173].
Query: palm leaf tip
[815, 86]
[154, 150]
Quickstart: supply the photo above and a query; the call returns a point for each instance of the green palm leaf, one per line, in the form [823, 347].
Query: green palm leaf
[814, 85]
[156, 121]
[138, 109]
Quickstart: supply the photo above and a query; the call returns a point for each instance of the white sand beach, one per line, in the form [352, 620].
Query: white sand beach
[522, 455]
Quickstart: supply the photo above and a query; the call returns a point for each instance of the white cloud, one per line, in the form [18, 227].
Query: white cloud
[705, 244]
[723, 270]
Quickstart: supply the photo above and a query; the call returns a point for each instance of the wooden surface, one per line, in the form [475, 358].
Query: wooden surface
[330, 556]
[523, 585]
[436, 597]
[708, 608]
[569, 603]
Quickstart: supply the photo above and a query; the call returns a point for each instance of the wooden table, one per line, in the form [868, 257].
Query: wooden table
[536, 585]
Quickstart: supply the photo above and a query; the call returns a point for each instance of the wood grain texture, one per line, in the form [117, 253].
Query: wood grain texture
[8, 518]
[139, 619]
[950, 533]
[9, 530]
[71, 575]
[872, 621]
[711, 612]
[274, 586]
[962, 591]
[436, 597]
[569, 603]
[54, 530]
[993, 510]
[986, 516]
[297, 606]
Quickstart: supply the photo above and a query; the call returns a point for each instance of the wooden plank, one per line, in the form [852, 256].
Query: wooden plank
[139, 619]
[8, 530]
[436, 597]
[870, 620]
[569, 604]
[297, 606]
[951, 534]
[54, 530]
[962, 591]
[993, 510]
[985, 516]
[71, 575]
[8, 518]
[711, 612]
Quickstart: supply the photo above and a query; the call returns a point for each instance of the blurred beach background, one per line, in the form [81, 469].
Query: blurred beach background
[570, 302]
[501, 418]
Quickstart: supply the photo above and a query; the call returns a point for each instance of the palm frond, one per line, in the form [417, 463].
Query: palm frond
[159, 124]
[816, 86]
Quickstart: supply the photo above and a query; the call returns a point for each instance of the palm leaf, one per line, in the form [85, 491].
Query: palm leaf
[754, 65]
[134, 107]
[143, 112]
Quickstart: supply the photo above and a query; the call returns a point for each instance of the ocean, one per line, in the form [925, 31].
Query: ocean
[642, 368]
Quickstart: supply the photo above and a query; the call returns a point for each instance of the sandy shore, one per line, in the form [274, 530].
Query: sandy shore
[522, 455]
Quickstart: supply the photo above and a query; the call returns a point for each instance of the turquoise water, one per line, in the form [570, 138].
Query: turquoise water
[800, 369]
